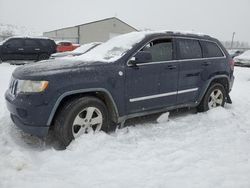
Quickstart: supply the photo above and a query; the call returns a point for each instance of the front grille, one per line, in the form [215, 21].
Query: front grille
[13, 86]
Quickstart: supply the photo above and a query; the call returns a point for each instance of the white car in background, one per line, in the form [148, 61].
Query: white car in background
[78, 51]
[243, 59]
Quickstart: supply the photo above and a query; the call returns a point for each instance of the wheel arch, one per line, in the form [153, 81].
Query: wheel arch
[99, 93]
[222, 79]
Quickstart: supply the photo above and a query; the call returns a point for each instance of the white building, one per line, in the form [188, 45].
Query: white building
[98, 31]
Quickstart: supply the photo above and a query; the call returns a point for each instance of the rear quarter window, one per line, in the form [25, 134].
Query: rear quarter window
[45, 43]
[189, 49]
[211, 49]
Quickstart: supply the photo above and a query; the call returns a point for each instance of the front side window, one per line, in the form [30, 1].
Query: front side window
[189, 49]
[161, 50]
[14, 43]
[211, 49]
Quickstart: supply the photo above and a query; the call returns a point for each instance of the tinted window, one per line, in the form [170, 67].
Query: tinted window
[44, 42]
[189, 49]
[30, 42]
[66, 44]
[161, 50]
[14, 43]
[211, 49]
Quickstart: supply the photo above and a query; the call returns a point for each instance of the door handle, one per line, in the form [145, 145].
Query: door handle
[37, 49]
[20, 49]
[171, 67]
[206, 64]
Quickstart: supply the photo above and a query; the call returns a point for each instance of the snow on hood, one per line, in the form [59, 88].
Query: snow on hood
[244, 56]
[50, 67]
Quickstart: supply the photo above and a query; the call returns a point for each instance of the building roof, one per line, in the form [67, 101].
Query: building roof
[93, 23]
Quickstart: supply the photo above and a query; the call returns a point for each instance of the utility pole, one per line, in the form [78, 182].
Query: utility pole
[232, 40]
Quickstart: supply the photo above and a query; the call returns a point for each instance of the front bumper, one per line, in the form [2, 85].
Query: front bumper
[29, 114]
[40, 131]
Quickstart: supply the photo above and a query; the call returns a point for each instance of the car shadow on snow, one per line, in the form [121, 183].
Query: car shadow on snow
[32, 142]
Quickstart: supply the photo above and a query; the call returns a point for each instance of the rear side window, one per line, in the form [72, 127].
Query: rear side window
[161, 50]
[211, 49]
[189, 49]
[30, 42]
[44, 43]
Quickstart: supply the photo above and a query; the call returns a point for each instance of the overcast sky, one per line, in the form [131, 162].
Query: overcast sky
[219, 18]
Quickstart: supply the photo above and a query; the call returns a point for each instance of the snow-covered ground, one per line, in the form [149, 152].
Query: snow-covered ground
[209, 149]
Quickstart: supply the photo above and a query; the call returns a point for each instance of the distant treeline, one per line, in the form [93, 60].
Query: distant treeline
[236, 44]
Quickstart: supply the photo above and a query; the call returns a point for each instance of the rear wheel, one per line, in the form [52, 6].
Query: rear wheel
[79, 117]
[42, 57]
[214, 97]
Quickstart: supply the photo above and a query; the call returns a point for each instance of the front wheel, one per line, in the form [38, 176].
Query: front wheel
[78, 117]
[214, 97]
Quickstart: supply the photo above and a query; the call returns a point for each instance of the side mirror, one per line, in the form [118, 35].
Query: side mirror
[141, 57]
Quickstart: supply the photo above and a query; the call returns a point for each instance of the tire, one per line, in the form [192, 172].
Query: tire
[211, 100]
[42, 57]
[76, 118]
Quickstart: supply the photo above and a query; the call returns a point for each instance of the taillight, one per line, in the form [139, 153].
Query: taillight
[231, 63]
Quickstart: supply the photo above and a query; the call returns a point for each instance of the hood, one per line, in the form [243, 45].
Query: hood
[243, 57]
[65, 54]
[52, 67]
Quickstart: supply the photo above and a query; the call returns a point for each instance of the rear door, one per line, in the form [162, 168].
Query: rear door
[13, 49]
[192, 66]
[31, 49]
[215, 59]
[153, 85]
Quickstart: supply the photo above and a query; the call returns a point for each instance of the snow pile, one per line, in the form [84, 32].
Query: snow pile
[183, 150]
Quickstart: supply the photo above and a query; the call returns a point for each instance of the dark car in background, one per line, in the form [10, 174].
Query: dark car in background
[131, 75]
[78, 51]
[26, 48]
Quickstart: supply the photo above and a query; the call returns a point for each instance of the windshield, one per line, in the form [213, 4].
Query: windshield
[84, 48]
[113, 49]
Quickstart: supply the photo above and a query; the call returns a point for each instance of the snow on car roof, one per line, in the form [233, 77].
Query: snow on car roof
[61, 41]
[29, 37]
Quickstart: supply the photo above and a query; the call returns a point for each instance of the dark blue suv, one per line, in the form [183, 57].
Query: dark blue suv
[131, 75]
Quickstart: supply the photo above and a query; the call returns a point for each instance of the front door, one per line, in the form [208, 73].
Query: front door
[153, 85]
[13, 49]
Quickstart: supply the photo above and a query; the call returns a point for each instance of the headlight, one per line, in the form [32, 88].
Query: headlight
[28, 86]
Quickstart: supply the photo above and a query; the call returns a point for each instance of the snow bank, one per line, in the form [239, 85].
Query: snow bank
[184, 150]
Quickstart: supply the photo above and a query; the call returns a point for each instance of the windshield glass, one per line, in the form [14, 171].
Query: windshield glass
[113, 49]
[84, 48]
